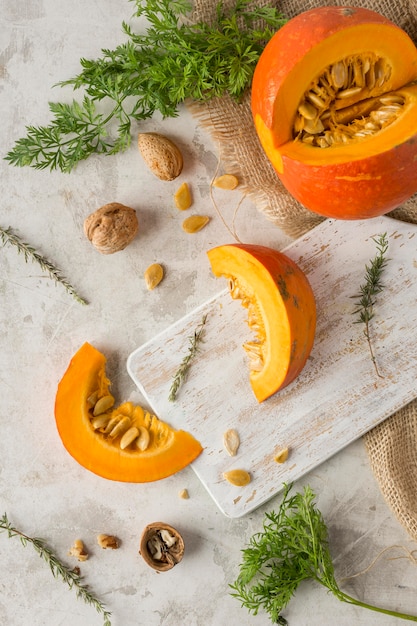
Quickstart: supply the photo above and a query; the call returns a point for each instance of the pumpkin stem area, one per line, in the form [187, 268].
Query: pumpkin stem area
[347, 102]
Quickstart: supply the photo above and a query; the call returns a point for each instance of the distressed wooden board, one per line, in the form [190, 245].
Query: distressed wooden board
[337, 398]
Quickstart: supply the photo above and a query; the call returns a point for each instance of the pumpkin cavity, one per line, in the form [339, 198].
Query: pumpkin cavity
[254, 349]
[347, 102]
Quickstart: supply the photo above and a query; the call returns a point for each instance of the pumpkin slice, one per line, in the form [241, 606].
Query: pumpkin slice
[334, 101]
[125, 443]
[281, 311]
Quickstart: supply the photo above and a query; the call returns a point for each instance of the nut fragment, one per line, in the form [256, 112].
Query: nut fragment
[161, 155]
[153, 275]
[231, 441]
[111, 228]
[183, 494]
[182, 197]
[282, 455]
[237, 477]
[226, 181]
[78, 550]
[194, 223]
[161, 546]
[108, 541]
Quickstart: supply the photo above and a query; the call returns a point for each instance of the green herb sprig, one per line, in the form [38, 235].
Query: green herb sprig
[370, 289]
[292, 547]
[182, 371]
[8, 236]
[172, 62]
[70, 576]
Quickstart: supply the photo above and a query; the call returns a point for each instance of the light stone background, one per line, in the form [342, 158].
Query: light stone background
[42, 489]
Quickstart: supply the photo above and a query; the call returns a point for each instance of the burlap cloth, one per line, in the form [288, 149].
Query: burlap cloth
[392, 445]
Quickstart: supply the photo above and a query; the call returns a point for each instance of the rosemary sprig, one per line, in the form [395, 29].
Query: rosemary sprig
[70, 576]
[182, 371]
[369, 289]
[7, 236]
[173, 61]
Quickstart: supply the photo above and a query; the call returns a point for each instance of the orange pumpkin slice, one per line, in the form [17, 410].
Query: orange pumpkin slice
[281, 312]
[125, 443]
[334, 102]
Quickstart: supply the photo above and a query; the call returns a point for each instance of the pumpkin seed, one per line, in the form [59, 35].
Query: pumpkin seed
[120, 428]
[194, 223]
[307, 110]
[103, 404]
[153, 275]
[281, 456]
[237, 477]
[128, 437]
[182, 197]
[231, 441]
[339, 74]
[226, 181]
[100, 421]
[142, 442]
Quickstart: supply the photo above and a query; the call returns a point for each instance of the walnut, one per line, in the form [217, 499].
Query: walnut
[78, 550]
[161, 546]
[112, 227]
[108, 541]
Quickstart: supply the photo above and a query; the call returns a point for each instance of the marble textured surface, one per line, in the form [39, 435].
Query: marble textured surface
[42, 489]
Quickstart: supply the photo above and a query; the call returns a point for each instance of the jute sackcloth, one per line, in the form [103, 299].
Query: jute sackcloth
[392, 445]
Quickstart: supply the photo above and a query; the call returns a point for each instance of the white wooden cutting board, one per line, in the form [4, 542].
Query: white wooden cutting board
[338, 396]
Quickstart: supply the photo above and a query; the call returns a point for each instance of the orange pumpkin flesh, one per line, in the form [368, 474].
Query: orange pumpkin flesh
[355, 154]
[81, 387]
[281, 311]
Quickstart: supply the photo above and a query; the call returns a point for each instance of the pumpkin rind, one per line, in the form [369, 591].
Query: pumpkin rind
[353, 181]
[85, 375]
[276, 288]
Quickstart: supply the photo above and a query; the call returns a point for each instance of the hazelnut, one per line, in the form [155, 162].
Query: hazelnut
[161, 546]
[112, 227]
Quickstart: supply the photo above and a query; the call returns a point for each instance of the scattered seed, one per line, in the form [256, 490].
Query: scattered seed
[237, 477]
[194, 223]
[182, 197]
[231, 441]
[226, 181]
[153, 275]
[183, 494]
[282, 455]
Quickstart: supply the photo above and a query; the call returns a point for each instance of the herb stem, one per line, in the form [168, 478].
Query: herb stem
[185, 365]
[70, 576]
[7, 236]
[369, 289]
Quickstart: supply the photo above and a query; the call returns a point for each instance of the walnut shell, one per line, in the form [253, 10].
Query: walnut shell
[112, 227]
[161, 155]
[171, 555]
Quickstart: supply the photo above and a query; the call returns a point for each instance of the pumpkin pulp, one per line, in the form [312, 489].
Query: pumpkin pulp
[281, 312]
[334, 100]
[94, 432]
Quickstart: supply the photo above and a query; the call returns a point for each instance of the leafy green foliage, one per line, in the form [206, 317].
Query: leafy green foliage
[292, 547]
[173, 61]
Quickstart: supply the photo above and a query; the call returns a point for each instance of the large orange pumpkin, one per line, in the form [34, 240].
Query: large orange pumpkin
[125, 443]
[334, 102]
[281, 311]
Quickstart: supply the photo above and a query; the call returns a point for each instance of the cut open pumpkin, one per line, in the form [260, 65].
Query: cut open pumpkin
[334, 101]
[126, 443]
[281, 312]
